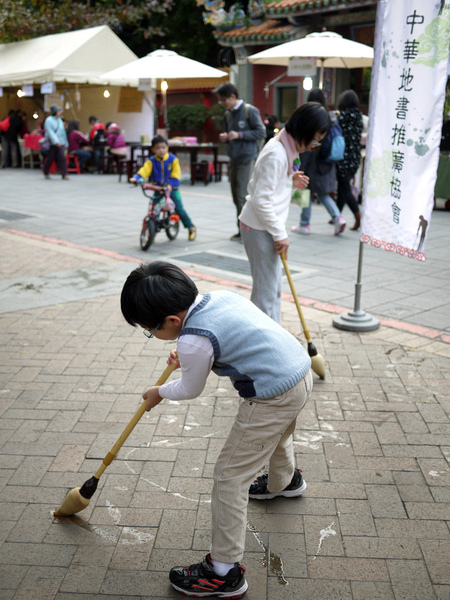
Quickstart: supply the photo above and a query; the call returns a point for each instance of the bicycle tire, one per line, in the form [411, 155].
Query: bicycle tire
[172, 228]
[147, 234]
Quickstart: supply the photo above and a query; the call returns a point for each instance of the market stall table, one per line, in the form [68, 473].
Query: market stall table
[144, 151]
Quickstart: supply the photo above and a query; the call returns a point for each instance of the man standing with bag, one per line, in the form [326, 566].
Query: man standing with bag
[244, 131]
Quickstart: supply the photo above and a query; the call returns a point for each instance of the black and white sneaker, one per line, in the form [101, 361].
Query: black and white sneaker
[201, 581]
[258, 490]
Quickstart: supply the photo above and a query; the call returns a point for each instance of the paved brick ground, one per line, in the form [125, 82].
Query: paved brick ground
[373, 444]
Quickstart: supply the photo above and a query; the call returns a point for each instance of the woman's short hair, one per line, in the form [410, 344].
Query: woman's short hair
[317, 95]
[348, 99]
[154, 291]
[306, 121]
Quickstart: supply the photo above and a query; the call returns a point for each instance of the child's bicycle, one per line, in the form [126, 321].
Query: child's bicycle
[161, 215]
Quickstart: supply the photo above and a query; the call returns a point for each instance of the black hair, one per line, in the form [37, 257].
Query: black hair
[108, 124]
[159, 139]
[92, 118]
[225, 90]
[348, 99]
[73, 125]
[306, 121]
[317, 95]
[272, 120]
[154, 291]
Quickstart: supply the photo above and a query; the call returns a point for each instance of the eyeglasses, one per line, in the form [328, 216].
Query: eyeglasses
[150, 334]
[222, 100]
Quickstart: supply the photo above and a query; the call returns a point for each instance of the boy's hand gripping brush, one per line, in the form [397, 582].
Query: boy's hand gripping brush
[317, 361]
[78, 498]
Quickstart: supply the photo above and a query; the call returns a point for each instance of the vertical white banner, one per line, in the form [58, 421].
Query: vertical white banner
[409, 76]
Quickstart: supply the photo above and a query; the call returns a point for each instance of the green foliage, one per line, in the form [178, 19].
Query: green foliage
[197, 116]
[176, 116]
[447, 102]
[142, 24]
[217, 114]
[183, 31]
[24, 19]
[188, 116]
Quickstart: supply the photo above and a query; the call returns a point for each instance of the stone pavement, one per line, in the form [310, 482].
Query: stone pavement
[373, 443]
[97, 211]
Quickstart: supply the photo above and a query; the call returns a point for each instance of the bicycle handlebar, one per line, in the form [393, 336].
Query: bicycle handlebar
[151, 186]
[155, 188]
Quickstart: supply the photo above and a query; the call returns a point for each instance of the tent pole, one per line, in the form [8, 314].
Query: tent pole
[357, 319]
[322, 68]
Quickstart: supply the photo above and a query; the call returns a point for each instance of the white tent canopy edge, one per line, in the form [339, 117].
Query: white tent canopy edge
[74, 57]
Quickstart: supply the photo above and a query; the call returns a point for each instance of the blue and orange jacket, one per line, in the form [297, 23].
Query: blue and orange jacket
[161, 170]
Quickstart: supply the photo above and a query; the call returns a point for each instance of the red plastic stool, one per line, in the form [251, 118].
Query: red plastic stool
[76, 168]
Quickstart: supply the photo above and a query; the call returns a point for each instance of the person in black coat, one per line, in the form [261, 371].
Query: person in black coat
[322, 179]
[351, 122]
[10, 143]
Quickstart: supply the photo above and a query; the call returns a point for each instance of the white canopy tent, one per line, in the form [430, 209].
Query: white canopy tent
[161, 65]
[74, 57]
[71, 59]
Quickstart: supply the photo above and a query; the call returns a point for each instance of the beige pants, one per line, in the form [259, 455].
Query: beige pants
[262, 434]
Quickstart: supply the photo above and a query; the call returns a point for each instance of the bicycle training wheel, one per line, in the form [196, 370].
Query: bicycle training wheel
[147, 234]
[173, 226]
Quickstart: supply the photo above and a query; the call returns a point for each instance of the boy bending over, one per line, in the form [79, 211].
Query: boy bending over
[224, 332]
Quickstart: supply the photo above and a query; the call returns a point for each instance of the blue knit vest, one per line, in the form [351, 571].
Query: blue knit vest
[261, 358]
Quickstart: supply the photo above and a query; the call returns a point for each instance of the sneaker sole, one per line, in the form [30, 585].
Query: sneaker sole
[286, 493]
[224, 595]
[296, 229]
[340, 230]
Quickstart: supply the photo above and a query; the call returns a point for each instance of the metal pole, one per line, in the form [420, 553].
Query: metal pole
[164, 87]
[357, 319]
[358, 284]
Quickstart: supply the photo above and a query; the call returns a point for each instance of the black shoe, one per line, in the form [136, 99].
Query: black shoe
[258, 490]
[200, 580]
[236, 237]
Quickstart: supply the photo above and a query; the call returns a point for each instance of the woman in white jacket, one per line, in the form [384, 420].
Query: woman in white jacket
[263, 218]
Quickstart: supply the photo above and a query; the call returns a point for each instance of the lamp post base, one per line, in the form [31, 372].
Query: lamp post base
[356, 321]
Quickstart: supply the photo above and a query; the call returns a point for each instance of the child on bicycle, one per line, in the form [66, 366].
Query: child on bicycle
[164, 168]
[224, 332]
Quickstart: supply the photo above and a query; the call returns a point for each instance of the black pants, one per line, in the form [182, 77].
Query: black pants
[345, 195]
[56, 152]
[11, 153]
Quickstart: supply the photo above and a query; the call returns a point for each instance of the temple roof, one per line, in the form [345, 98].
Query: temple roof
[268, 31]
[308, 7]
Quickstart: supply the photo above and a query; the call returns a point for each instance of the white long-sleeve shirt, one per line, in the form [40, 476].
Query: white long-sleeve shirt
[269, 192]
[196, 356]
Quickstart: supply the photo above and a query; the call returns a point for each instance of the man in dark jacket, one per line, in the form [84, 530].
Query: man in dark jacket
[243, 131]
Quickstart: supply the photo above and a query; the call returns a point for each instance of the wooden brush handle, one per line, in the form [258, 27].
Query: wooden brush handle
[131, 425]
[296, 300]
